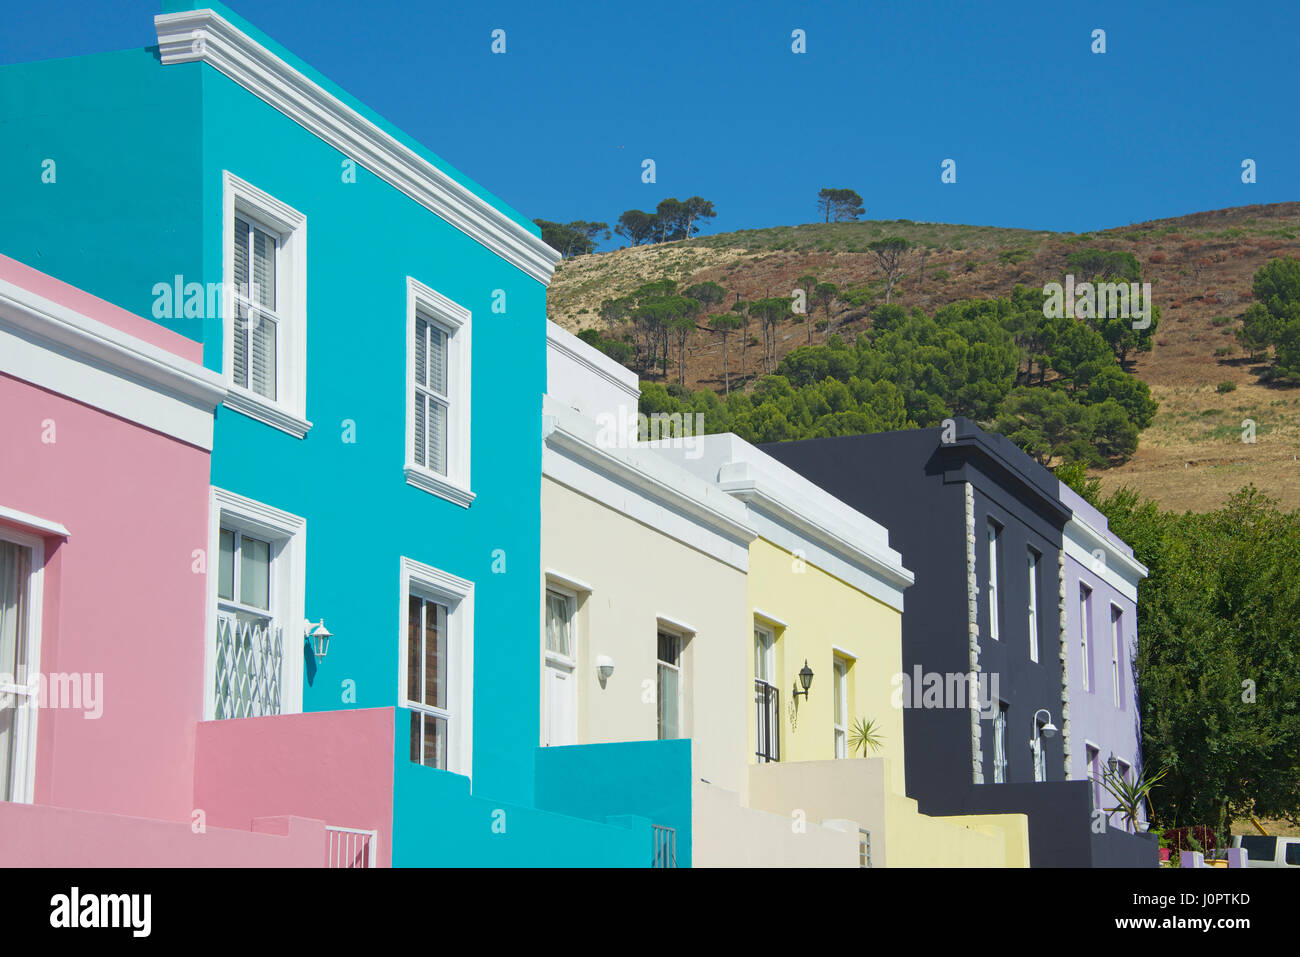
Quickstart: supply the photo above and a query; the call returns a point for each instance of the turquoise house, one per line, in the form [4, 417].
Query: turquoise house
[379, 321]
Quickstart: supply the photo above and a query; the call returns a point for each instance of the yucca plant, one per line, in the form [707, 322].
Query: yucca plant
[1129, 795]
[865, 736]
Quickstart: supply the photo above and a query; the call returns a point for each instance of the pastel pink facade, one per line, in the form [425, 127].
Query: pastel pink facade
[105, 423]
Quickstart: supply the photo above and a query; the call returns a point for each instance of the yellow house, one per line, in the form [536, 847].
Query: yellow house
[825, 603]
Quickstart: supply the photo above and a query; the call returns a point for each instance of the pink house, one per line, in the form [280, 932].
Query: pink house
[106, 430]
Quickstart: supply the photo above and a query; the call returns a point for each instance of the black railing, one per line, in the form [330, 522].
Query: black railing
[767, 702]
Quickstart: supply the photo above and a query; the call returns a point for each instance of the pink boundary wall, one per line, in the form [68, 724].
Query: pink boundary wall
[33, 835]
[332, 765]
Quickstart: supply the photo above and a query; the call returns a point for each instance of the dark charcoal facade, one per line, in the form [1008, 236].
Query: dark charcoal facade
[916, 483]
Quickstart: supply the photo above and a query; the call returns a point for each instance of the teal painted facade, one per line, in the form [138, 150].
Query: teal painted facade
[140, 150]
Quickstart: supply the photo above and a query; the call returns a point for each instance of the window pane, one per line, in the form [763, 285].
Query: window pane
[239, 363]
[14, 571]
[762, 653]
[414, 616]
[241, 257]
[421, 352]
[559, 617]
[264, 245]
[437, 360]
[263, 347]
[435, 742]
[8, 744]
[421, 431]
[435, 655]
[669, 698]
[669, 648]
[840, 703]
[437, 437]
[254, 572]
[226, 566]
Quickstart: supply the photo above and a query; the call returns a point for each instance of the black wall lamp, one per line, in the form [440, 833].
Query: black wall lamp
[805, 679]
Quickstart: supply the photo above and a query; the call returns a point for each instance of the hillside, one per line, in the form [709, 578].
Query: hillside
[1200, 267]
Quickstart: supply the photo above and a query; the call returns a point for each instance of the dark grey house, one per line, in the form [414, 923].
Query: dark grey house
[980, 524]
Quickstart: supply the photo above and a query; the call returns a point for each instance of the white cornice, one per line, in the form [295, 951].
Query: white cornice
[1114, 566]
[644, 472]
[59, 348]
[741, 480]
[592, 360]
[207, 37]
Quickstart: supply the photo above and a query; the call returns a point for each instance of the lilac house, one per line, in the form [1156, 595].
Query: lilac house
[1100, 579]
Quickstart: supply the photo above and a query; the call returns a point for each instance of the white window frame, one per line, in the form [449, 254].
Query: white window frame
[26, 718]
[666, 628]
[840, 674]
[1092, 771]
[287, 534]
[1085, 633]
[1000, 743]
[548, 657]
[994, 530]
[768, 629]
[457, 595]
[455, 321]
[1116, 641]
[1034, 559]
[288, 411]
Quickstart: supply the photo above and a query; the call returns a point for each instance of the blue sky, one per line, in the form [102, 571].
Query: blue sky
[1045, 133]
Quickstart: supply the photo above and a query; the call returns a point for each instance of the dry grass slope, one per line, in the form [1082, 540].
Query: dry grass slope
[1200, 265]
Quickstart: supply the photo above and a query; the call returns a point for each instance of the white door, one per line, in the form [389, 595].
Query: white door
[560, 685]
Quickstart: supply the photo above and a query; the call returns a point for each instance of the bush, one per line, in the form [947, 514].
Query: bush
[939, 275]
[1226, 387]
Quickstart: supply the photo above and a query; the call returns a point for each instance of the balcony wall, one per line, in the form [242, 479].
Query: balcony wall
[36, 835]
[336, 766]
[647, 779]
[858, 790]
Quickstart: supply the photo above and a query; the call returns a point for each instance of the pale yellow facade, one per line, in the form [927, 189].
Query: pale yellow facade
[817, 618]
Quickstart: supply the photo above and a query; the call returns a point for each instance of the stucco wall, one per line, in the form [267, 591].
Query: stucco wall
[728, 834]
[1094, 719]
[862, 790]
[122, 598]
[637, 575]
[823, 614]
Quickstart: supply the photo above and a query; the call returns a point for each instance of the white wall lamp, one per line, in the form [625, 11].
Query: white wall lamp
[319, 636]
[604, 668]
[1047, 730]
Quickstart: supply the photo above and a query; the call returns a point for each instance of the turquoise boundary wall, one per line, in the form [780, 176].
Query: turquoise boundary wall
[650, 779]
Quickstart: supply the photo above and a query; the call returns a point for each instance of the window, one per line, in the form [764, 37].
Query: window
[1040, 752]
[840, 671]
[21, 560]
[265, 343]
[1092, 757]
[1000, 744]
[669, 696]
[253, 665]
[437, 665]
[994, 609]
[1116, 643]
[559, 723]
[438, 394]
[766, 696]
[1293, 854]
[1085, 634]
[1033, 605]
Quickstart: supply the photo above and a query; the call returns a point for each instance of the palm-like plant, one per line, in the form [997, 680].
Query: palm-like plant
[865, 736]
[1129, 796]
